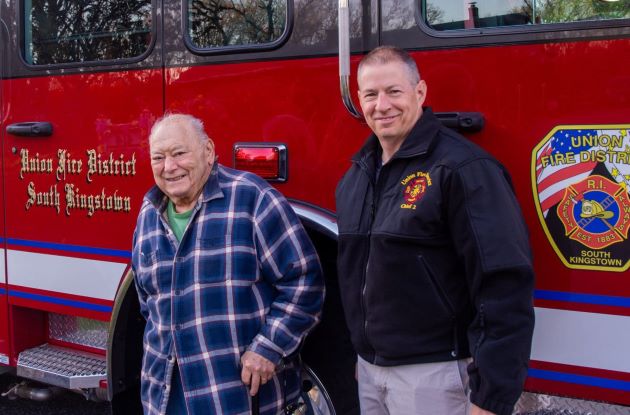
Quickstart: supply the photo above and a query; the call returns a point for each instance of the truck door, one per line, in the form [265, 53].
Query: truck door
[80, 91]
[551, 80]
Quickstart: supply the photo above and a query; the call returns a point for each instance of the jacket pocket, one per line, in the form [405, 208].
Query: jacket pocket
[151, 261]
[148, 259]
[219, 260]
[439, 289]
[446, 302]
[154, 268]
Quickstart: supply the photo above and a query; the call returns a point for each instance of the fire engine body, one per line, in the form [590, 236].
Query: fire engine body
[75, 167]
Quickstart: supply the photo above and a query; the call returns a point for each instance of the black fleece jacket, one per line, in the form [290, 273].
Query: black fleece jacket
[434, 261]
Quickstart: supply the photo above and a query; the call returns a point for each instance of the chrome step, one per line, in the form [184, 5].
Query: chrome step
[59, 366]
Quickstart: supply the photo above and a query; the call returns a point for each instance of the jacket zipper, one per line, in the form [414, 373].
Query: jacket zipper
[482, 336]
[363, 167]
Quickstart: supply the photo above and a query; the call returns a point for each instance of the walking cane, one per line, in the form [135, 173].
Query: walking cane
[255, 405]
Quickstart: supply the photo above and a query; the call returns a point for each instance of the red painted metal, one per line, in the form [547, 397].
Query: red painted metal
[59, 302]
[76, 346]
[102, 120]
[88, 112]
[572, 389]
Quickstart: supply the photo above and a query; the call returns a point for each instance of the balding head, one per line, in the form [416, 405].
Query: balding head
[192, 125]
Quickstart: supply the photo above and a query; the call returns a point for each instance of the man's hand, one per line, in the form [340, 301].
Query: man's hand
[475, 410]
[256, 371]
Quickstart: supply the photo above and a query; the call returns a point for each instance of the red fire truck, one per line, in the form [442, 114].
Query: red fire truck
[543, 85]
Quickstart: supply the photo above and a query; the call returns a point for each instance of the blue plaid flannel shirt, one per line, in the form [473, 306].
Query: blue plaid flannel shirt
[245, 276]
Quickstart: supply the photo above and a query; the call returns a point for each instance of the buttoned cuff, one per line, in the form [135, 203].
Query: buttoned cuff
[267, 349]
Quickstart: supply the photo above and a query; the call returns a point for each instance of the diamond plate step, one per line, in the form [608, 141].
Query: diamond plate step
[539, 404]
[63, 367]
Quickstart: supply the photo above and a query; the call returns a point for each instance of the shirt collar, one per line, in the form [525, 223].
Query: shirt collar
[419, 141]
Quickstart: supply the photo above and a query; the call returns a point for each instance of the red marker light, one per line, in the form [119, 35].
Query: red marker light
[268, 160]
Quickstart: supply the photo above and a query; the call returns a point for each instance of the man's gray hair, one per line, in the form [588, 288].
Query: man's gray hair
[194, 123]
[386, 54]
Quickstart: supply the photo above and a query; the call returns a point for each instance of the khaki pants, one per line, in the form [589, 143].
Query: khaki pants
[421, 389]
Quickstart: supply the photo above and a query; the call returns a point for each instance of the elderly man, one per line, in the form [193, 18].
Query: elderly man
[227, 278]
[434, 260]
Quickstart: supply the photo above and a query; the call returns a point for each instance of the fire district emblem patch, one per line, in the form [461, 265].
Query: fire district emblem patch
[592, 212]
[414, 188]
[581, 184]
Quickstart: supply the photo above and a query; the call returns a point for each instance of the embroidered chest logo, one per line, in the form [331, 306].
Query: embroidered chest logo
[414, 188]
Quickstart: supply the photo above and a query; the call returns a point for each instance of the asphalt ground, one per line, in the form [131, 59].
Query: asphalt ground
[66, 403]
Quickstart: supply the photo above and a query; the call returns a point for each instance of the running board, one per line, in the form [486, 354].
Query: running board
[59, 366]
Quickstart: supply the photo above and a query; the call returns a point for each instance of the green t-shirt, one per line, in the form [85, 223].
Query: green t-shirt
[178, 221]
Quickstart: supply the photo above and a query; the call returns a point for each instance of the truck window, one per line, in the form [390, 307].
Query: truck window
[228, 23]
[458, 14]
[66, 31]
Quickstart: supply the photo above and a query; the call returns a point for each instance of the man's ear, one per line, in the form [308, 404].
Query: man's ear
[210, 150]
[421, 91]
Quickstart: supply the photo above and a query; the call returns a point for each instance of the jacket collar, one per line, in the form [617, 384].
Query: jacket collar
[211, 190]
[419, 141]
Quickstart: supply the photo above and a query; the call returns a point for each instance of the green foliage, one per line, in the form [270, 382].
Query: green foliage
[559, 11]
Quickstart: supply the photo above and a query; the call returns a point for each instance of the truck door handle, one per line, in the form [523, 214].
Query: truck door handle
[30, 129]
[469, 122]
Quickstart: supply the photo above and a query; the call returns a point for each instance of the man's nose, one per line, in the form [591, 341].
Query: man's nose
[169, 163]
[382, 102]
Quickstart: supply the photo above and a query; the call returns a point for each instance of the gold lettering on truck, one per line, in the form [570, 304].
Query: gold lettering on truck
[110, 166]
[64, 167]
[31, 164]
[66, 164]
[48, 198]
[91, 203]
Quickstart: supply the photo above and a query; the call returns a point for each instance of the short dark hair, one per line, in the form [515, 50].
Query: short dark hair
[386, 54]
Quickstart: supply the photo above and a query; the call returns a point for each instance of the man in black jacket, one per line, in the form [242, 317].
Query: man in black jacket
[434, 260]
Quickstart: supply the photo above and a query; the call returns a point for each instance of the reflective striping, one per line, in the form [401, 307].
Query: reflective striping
[2, 269]
[582, 298]
[580, 379]
[76, 276]
[60, 301]
[69, 248]
[582, 339]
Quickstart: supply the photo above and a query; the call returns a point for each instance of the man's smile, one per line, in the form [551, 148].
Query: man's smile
[386, 119]
[174, 179]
